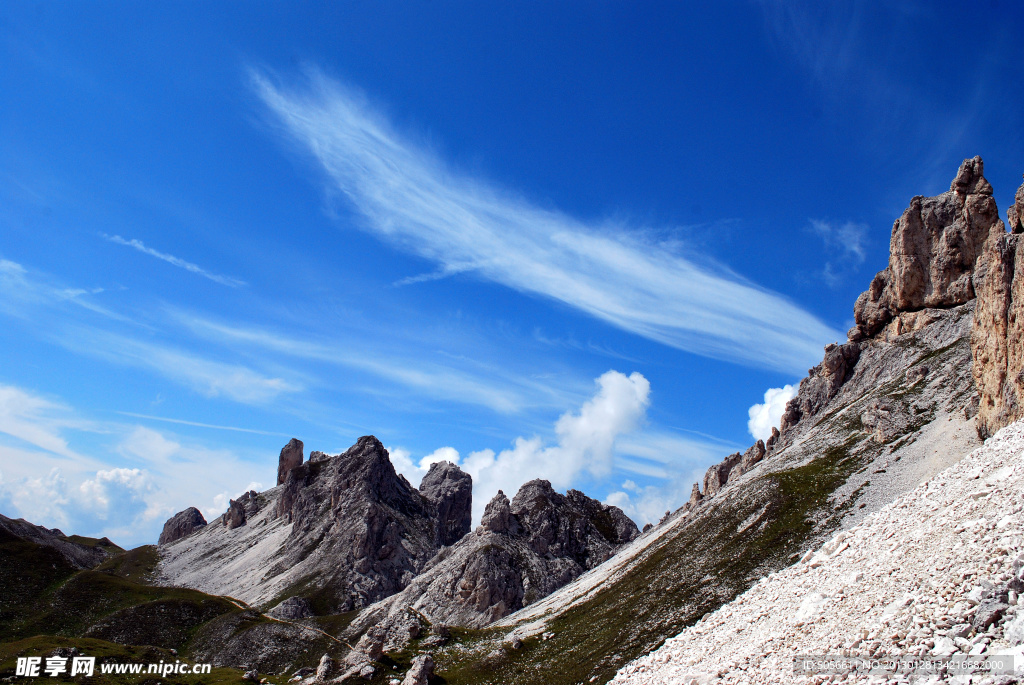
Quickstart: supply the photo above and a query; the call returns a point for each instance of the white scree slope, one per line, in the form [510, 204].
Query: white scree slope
[916, 578]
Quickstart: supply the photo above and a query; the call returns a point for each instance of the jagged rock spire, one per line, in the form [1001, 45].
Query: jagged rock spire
[291, 456]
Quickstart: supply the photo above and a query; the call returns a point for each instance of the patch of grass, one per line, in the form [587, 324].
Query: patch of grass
[86, 598]
[27, 572]
[138, 565]
[95, 542]
[334, 623]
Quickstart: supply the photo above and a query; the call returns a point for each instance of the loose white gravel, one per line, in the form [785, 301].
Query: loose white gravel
[909, 580]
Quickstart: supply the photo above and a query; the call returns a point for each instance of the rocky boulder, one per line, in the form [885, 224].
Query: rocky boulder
[449, 490]
[420, 671]
[292, 609]
[290, 457]
[181, 524]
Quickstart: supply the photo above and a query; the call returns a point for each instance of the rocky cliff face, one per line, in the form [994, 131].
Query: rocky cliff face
[522, 551]
[181, 524]
[341, 532]
[997, 338]
[378, 530]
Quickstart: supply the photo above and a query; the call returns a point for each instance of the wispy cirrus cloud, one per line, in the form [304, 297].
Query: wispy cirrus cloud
[484, 385]
[845, 241]
[409, 198]
[43, 304]
[35, 420]
[175, 261]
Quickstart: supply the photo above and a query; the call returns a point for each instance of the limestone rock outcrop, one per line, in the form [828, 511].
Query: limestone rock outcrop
[1015, 213]
[420, 671]
[181, 524]
[522, 551]
[997, 335]
[234, 516]
[497, 516]
[372, 529]
[932, 252]
[754, 454]
[449, 490]
[292, 609]
[718, 475]
[290, 457]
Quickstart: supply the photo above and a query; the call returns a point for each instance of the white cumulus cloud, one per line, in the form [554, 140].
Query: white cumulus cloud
[401, 459]
[764, 417]
[586, 442]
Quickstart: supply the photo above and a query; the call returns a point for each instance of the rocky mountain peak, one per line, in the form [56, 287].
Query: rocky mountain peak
[498, 517]
[366, 468]
[181, 524]
[970, 179]
[941, 250]
[522, 551]
[449, 490]
[571, 526]
[932, 254]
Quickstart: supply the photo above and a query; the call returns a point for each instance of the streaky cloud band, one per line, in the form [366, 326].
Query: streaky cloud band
[174, 261]
[410, 199]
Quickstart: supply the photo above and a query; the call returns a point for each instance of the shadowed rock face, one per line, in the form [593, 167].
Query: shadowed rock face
[234, 516]
[571, 526]
[997, 336]
[372, 529]
[449, 490]
[341, 532]
[291, 456]
[1015, 214]
[522, 551]
[181, 524]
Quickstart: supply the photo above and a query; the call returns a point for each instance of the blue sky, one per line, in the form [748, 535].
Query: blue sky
[577, 241]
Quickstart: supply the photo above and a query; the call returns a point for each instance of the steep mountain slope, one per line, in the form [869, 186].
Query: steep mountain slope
[884, 411]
